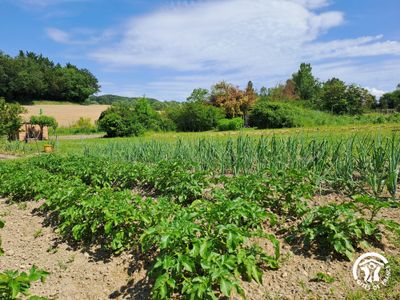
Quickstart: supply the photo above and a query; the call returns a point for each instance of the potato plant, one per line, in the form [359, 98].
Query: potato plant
[283, 193]
[204, 249]
[14, 284]
[204, 230]
[343, 228]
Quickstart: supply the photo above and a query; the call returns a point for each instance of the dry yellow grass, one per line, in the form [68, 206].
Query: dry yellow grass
[66, 115]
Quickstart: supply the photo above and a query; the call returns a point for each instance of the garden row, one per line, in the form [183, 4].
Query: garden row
[198, 228]
[360, 164]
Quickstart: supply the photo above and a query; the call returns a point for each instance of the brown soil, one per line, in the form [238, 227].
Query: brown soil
[79, 273]
[74, 273]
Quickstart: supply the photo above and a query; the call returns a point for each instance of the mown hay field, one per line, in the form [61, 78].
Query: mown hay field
[66, 115]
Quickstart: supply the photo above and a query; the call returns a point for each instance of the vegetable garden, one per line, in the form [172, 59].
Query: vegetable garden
[212, 215]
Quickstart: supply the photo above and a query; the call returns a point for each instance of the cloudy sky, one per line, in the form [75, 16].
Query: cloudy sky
[165, 49]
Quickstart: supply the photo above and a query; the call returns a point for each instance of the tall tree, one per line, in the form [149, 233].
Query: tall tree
[229, 97]
[306, 85]
[250, 97]
[358, 99]
[199, 95]
[30, 76]
[334, 97]
[263, 92]
[390, 100]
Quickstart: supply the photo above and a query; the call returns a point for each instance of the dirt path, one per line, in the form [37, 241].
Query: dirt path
[75, 274]
[7, 156]
[80, 136]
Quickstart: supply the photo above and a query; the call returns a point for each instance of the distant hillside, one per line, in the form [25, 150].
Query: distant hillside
[110, 99]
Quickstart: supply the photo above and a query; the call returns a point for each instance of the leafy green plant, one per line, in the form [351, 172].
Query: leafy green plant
[230, 124]
[283, 192]
[273, 115]
[341, 228]
[203, 249]
[176, 179]
[10, 119]
[14, 284]
[323, 277]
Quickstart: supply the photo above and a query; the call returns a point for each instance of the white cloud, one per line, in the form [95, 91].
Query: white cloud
[376, 92]
[79, 36]
[58, 35]
[220, 34]
[238, 40]
[375, 75]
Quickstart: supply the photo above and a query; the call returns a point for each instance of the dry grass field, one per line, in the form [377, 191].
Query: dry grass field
[66, 115]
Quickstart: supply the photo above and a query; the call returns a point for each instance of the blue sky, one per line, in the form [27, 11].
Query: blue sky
[165, 49]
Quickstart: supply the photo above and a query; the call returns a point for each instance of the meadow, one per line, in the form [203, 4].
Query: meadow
[258, 214]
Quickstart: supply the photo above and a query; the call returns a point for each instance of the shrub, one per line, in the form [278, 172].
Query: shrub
[273, 115]
[133, 118]
[82, 126]
[196, 117]
[230, 124]
[116, 125]
[166, 124]
[10, 120]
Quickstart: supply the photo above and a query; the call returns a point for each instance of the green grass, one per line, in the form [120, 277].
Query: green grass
[308, 117]
[332, 132]
[77, 131]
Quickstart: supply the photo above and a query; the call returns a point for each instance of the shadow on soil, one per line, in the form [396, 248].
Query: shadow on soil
[139, 288]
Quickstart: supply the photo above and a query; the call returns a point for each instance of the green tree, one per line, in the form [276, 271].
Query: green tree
[334, 96]
[30, 76]
[129, 118]
[250, 97]
[358, 99]
[10, 119]
[77, 85]
[199, 95]
[195, 116]
[390, 100]
[146, 115]
[263, 92]
[306, 86]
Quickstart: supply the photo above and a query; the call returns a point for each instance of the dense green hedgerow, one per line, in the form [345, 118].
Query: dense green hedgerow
[230, 124]
[273, 115]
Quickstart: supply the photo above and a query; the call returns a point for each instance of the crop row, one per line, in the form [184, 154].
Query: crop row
[360, 164]
[203, 231]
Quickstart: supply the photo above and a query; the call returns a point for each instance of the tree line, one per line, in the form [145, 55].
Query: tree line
[224, 106]
[29, 76]
[227, 107]
[110, 99]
